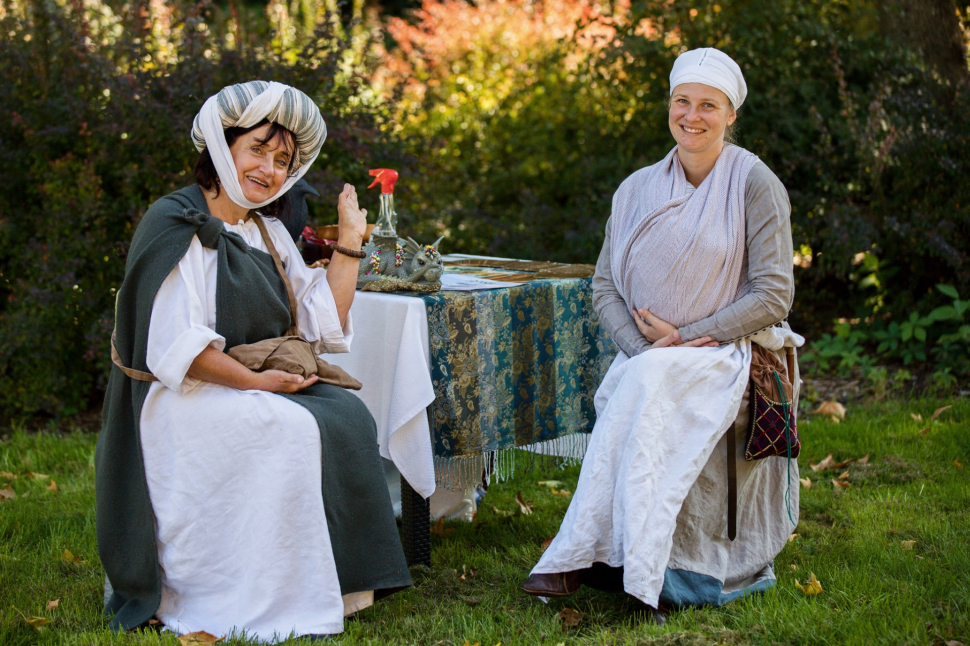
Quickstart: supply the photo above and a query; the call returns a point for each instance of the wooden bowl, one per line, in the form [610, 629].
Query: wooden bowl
[329, 232]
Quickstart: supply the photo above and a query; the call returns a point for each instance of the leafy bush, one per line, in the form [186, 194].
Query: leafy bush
[539, 126]
[941, 336]
[97, 110]
[511, 133]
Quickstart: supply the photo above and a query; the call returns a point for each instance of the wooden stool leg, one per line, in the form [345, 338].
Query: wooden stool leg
[416, 518]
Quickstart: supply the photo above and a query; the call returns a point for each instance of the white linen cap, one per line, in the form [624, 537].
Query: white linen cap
[711, 67]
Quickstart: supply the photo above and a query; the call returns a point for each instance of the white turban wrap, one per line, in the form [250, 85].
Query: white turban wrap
[246, 104]
[711, 67]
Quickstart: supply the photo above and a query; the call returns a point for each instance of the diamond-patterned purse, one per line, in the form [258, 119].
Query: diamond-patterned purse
[772, 430]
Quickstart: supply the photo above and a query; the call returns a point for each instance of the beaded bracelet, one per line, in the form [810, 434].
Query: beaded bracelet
[347, 252]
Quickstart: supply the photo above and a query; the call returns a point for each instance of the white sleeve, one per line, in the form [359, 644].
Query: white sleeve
[178, 332]
[319, 322]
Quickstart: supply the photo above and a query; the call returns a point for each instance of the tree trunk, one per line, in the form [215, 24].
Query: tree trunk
[932, 28]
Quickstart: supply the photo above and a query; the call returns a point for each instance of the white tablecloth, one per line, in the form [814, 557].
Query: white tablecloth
[389, 355]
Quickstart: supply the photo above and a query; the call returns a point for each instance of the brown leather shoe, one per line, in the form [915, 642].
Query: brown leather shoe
[558, 584]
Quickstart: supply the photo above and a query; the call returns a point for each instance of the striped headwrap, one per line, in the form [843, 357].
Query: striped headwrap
[246, 104]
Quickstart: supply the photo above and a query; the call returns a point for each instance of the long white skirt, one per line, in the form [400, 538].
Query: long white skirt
[235, 484]
[234, 476]
[652, 493]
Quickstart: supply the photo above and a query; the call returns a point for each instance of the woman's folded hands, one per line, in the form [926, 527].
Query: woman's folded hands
[662, 334]
[219, 368]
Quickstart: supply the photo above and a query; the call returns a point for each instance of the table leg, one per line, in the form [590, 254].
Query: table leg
[416, 518]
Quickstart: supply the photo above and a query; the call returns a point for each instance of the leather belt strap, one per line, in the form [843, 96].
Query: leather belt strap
[732, 481]
[290, 296]
[137, 375]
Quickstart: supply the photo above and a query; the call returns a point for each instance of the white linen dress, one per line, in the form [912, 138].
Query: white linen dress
[234, 476]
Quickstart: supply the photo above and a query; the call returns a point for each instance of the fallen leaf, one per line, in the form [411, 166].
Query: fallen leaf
[200, 638]
[467, 574]
[842, 484]
[154, 622]
[7, 493]
[835, 410]
[52, 605]
[953, 642]
[439, 529]
[939, 411]
[546, 543]
[919, 557]
[908, 545]
[70, 558]
[793, 566]
[36, 476]
[791, 539]
[502, 512]
[37, 623]
[806, 482]
[957, 464]
[925, 431]
[8, 475]
[570, 617]
[844, 476]
[524, 505]
[561, 492]
[863, 460]
[812, 587]
[916, 417]
[550, 483]
[52, 487]
[826, 463]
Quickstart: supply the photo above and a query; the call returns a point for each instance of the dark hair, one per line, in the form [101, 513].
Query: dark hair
[207, 177]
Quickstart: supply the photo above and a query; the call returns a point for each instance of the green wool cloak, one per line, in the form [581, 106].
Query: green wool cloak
[251, 305]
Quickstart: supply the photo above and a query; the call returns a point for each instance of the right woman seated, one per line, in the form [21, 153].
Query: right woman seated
[697, 257]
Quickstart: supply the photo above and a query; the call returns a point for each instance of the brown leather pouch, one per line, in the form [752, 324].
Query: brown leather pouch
[292, 354]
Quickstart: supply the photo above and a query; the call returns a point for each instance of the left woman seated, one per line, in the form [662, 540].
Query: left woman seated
[227, 499]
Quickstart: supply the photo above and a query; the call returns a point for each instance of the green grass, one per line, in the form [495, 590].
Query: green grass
[875, 591]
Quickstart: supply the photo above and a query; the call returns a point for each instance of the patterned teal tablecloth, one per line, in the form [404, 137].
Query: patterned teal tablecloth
[514, 366]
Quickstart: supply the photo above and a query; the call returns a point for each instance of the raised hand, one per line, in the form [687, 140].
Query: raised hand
[352, 220]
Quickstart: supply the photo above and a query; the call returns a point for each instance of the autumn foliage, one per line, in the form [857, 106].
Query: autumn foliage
[512, 122]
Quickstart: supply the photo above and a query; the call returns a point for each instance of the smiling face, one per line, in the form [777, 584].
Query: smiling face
[699, 115]
[262, 164]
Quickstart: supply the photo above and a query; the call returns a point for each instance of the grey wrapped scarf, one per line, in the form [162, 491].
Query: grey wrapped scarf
[680, 255]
